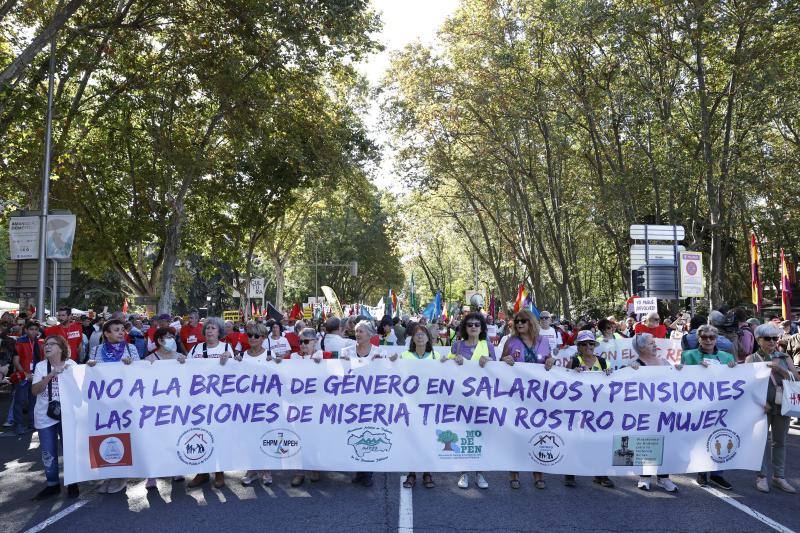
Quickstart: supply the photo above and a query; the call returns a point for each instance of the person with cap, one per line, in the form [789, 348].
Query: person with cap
[526, 345]
[652, 325]
[332, 340]
[70, 330]
[644, 346]
[586, 361]
[782, 367]
[547, 331]
[708, 353]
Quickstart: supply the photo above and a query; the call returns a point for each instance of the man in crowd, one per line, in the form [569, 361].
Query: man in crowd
[29, 352]
[192, 333]
[71, 331]
[547, 331]
[332, 341]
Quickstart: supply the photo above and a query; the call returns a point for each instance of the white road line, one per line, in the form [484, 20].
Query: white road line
[405, 524]
[58, 516]
[745, 509]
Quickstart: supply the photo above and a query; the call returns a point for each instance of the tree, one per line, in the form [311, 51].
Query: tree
[448, 438]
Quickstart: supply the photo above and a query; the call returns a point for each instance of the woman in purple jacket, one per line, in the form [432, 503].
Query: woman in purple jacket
[525, 345]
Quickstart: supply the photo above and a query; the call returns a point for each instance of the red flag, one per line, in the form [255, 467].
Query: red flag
[252, 309]
[755, 279]
[521, 295]
[296, 313]
[125, 305]
[786, 289]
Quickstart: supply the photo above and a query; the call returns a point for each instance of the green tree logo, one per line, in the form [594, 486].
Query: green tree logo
[448, 438]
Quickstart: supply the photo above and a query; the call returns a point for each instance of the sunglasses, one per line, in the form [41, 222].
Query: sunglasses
[587, 343]
[520, 321]
[708, 337]
[771, 339]
[473, 324]
[253, 336]
[307, 341]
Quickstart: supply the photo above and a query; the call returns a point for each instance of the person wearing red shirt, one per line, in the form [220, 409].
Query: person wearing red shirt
[652, 325]
[29, 352]
[71, 331]
[192, 333]
[237, 340]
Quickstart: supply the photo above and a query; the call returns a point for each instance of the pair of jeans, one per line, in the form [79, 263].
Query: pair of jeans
[48, 442]
[23, 399]
[776, 443]
[10, 416]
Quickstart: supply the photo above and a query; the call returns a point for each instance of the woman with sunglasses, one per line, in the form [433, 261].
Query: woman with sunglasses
[767, 337]
[652, 325]
[525, 345]
[587, 361]
[707, 354]
[277, 344]
[472, 346]
[256, 353]
[421, 349]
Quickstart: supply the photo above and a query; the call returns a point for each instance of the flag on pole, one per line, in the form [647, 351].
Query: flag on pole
[296, 313]
[253, 309]
[412, 298]
[755, 279]
[521, 295]
[786, 289]
[491, 306]
[125, 305]
[393, 310]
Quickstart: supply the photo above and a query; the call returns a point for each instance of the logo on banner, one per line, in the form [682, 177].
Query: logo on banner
[722, 445]
[546, 448]
[467, 445]
[110, 450]
[370, 444]
[195, 446]
[280, 443]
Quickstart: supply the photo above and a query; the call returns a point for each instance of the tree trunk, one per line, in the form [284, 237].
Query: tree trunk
[280, 281]
[172, 243]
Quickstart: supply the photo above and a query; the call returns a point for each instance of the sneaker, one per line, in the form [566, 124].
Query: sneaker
[8, 424]
[667, 484]
[643, 484]
[266, 479]
[463, 481]
[702, 480]
[298, 480]
[73, 491]
[720, 482]
[784, 485]
[249, 478]
[117, 485]
[481, 481]
[151, 483]
[178, 478]
[761, 484]
[48, 492]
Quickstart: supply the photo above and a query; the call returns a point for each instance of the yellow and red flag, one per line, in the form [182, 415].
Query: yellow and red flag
[519, 303]
[755, 278]
[786, 289]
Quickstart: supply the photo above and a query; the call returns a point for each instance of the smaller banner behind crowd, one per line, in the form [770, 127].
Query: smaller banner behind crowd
[166, 418]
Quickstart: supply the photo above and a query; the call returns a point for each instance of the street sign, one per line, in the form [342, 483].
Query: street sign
[22, 277]
[255, 291]
[691, 274]
[642, 306]
[651, 232]
[23, 236]
[657, 254]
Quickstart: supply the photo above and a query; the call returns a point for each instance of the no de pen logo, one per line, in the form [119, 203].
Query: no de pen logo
[722, 445]
[370, 444]
[195, 446]
[467, 444]
[280, 443]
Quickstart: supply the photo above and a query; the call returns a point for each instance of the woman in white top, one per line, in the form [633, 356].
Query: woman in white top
[212, 348]
[45, 389]
[256, 333]
[365, 351]
[276, 344]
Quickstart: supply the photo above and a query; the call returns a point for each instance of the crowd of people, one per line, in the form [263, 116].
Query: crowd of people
[32, 355]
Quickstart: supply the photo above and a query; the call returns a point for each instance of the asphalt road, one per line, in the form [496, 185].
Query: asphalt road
[334, 504]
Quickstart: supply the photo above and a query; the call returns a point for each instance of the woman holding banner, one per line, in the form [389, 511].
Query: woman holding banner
[472, 346]
[421, 349]
[364, 350]
[46, 418]
[767, 336]
[587, 361]
[525, 345]
[277, 344]
[212, 348]
[644, 345]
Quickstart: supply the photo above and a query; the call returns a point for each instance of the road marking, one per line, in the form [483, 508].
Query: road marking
[405, 524]
[58, 516]
[745, 509]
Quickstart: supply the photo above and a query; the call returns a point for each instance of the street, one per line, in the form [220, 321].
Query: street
[334, 504]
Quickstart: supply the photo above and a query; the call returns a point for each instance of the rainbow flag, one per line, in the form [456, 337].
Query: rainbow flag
[522, 294]
[755, 278]
[786, 289]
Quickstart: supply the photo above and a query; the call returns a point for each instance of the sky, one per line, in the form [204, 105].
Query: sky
[404, 21]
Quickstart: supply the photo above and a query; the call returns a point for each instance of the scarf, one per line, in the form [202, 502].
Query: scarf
[112, 353]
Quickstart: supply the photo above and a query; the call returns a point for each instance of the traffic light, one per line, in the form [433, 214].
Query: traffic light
[638, 282]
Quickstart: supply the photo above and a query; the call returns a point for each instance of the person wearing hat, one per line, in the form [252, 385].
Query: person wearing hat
[767, 336]
[550, 333]
[587, 361]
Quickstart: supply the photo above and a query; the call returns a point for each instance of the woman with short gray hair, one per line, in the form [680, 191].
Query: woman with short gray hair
[767, 336]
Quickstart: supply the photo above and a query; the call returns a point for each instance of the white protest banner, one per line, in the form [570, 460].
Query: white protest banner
[166, 418]
[642, 306]
[619, 352]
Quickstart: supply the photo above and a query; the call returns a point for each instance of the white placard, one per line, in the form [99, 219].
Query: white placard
[642, 306]
[691, 264]
[23, 236]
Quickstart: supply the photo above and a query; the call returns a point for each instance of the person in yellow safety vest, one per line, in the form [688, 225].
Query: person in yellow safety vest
[473, 347]
[421, 348]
